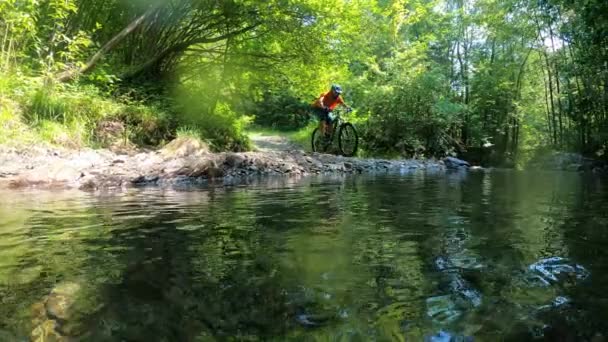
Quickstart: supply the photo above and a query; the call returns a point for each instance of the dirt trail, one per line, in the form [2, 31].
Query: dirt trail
[268, 143]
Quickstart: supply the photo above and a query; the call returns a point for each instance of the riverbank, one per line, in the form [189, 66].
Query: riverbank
[180, 162]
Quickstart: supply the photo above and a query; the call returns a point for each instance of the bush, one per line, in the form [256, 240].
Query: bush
[147, 125]
[223, 128]
[281, 109]
[215, 120]
[66, 116]
[408, 115]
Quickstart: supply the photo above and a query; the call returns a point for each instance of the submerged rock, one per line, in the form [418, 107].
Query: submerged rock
[558, 302]
[456, 283]
[313, 320]
[455, 163]
[306, 320]
[461, 295]
[47, 331]
[64, 314]
[442, 309]
[554, 270]
[444, 336]
[61, 300]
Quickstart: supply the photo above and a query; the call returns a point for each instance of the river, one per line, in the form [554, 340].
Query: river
[484, 256]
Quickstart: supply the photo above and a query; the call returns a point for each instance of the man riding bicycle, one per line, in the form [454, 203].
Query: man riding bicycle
[324, 105]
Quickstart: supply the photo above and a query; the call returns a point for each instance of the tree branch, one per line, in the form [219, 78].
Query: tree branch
[181, 47]
[70, 74]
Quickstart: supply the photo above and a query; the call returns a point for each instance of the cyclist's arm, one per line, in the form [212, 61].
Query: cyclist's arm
[321, 102]
[344, 104]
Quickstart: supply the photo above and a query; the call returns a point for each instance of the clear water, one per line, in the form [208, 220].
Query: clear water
[319, 259]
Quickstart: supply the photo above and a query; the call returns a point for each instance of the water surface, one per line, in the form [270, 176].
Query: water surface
[320, 259]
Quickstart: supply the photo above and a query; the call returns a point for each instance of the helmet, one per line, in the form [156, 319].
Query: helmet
[336, 89]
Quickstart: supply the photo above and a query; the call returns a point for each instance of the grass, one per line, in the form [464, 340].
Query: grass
[73, 134]
[37, 110]
[302, 136]
[32, 112]
[188, 133]
[14, 131]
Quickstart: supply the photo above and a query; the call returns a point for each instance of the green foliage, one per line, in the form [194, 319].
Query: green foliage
[428, 78]
[281, 109]
[410, 113]
[216, 122]
[146, 124]
[17, 30]
[224, 128]
[73, 134]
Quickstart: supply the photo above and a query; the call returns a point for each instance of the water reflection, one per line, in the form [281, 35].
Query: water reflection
[415, 257]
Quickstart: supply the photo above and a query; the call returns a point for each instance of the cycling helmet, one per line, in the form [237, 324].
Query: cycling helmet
[336, 89]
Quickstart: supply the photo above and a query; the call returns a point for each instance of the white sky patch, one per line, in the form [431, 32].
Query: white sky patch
[554, 45]
[440, 7]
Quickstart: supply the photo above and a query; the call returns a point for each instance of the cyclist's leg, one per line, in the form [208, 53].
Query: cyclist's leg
[330, 125]
[323, 120]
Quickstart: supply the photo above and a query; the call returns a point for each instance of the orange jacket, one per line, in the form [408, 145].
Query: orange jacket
[328, 100]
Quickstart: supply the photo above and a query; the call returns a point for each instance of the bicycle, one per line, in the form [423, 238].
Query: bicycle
[348, 139]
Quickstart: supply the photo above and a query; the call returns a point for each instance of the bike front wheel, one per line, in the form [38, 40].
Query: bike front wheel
[348, 140]
[318, 141]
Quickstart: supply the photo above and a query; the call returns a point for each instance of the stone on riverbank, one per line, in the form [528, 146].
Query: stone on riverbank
[455, 163]
[180, 162]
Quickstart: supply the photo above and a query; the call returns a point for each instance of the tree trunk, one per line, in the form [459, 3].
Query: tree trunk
[551, 100]
[548, 107]
[70, 74]
[557, 84]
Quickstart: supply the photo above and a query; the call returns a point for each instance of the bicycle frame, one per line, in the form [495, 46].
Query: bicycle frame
[337, 122]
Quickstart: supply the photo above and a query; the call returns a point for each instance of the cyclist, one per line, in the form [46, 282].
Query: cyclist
[324, 105]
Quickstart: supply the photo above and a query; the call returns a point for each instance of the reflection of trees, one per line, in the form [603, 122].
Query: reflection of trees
[498, 220]
[44, 237]
[392, 217]
[159, 265]
[196, 268]
[515, 223]
[584, 234]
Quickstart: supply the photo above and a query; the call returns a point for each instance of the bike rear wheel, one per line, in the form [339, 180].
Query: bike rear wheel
[318, 141]
[348, 140]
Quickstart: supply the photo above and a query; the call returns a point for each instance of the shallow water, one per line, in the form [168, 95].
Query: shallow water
[411, 257]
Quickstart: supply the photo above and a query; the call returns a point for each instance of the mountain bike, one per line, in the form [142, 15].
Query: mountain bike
[348, 139]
